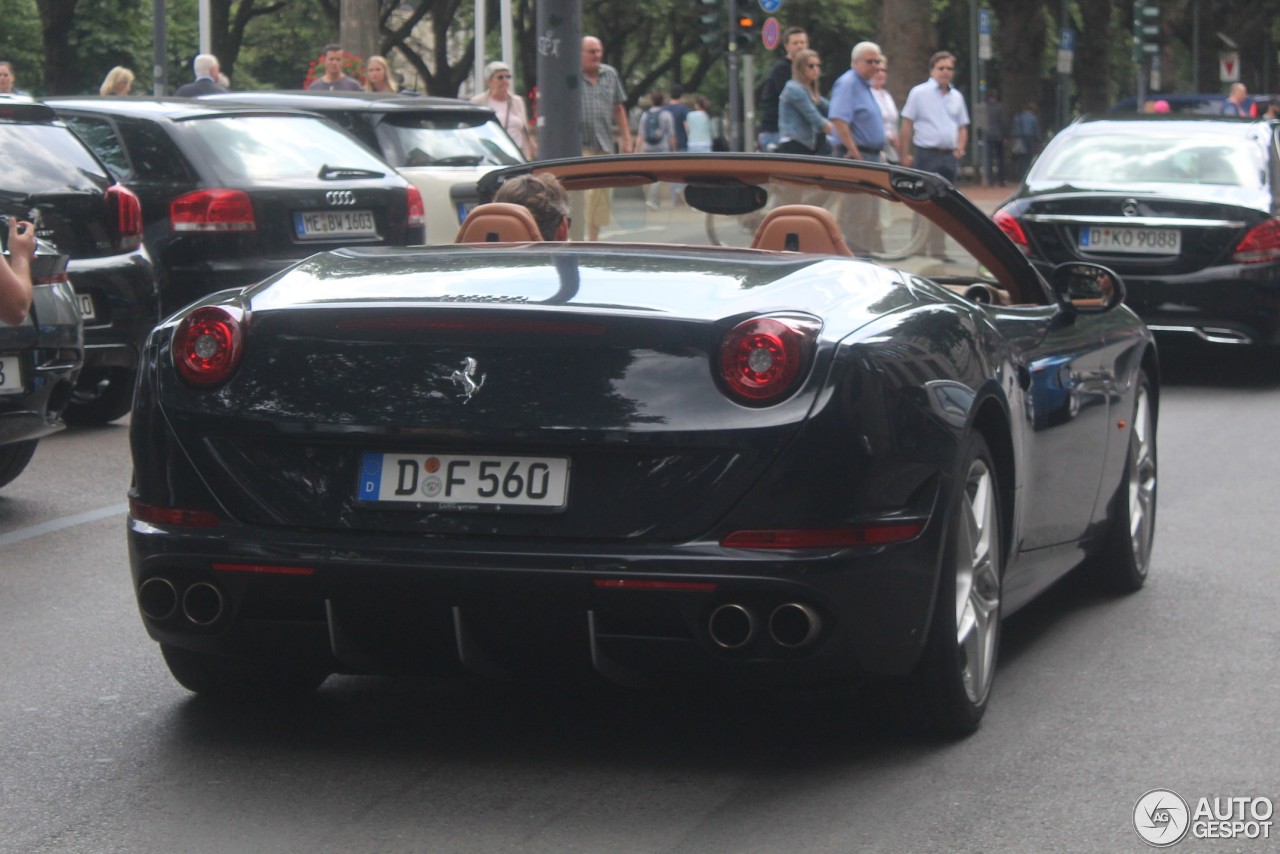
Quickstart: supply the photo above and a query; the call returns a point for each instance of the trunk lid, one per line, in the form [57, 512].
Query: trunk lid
[1190, 229]
[581, 358]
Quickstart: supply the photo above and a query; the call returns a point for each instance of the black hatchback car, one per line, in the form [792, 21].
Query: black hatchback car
[1184, 208]
[231, 195]
[51, 179]
[442, 145]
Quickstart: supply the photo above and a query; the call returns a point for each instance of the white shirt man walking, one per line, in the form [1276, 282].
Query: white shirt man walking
[935, 129]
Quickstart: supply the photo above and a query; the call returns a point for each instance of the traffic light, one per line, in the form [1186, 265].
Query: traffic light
[744, 31]
[711, 16]
[1146, 29]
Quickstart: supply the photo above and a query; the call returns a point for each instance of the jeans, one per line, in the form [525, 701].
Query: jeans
[946, 164]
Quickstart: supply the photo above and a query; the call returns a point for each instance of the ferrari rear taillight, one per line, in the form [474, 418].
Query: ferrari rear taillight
[417, 211]
[208, 345]
[761, 359]
[1260, 245]
[126, 216]
[1013, 230]
[212, 210]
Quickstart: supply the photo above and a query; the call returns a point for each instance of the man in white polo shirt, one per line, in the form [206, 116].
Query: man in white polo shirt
[935, 128]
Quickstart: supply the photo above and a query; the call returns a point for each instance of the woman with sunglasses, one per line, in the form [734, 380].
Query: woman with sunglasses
[508, 106]
[802, 123]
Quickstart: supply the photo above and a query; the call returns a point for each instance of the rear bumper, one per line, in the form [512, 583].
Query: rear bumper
[38, 413]
[125, 303]
[376, 604]
[1223, 305]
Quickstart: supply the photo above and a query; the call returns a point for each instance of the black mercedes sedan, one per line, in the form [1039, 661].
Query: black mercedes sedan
[231, 195]
[1186, 209]
[656, 457]
[51, 179]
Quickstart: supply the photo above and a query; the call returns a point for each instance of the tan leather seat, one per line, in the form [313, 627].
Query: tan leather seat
[801, 228]
[498, 222]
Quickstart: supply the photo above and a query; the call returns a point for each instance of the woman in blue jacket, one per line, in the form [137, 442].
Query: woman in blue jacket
[802, 122]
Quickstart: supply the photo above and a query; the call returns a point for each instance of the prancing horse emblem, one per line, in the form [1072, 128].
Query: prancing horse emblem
[466, 379]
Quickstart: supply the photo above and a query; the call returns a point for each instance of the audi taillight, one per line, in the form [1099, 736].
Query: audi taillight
[417, 211]
[1013, 230]
[126, 217]
[212, 210]
[1260, 245]
[209, 344]
[761, 359]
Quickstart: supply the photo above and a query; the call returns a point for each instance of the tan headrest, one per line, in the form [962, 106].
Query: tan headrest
[498, 222]
[801, 228]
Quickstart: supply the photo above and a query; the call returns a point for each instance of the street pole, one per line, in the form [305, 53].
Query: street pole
[1195, 46]
[559, 44]
[482, 27]
[735, 87]
[974, 156]
[160, 49]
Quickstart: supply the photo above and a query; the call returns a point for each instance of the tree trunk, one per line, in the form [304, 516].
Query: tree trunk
[61, 65]
[909, 40]
[1092, 65]
[358, 30]
[1018, 42]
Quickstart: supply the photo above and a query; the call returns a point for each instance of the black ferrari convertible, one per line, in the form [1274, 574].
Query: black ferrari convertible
[822, 422]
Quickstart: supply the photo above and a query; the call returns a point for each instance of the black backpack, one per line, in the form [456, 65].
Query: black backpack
[652, 123]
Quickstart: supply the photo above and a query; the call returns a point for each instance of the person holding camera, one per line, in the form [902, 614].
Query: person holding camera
[15, 272]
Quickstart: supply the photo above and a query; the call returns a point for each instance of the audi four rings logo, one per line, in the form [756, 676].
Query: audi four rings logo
[1129, 207]
[340, 197]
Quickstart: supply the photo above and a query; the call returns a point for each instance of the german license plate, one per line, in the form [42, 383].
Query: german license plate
[465, 481]
[10, 375]
[86, 307]
[324, 225]
[1147, 241]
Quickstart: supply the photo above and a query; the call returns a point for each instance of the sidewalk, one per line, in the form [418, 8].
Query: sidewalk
[987, 198]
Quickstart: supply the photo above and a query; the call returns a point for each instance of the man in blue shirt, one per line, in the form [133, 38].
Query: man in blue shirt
[856, 122]
[858, 133]
[1234, 105]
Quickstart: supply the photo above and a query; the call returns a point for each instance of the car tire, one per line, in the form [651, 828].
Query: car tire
[955, 674]
[14, 458]
[1120, 566]
[216, 676]
[101, 398]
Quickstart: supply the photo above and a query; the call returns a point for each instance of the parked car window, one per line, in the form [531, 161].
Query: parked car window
[45, 159]
[447, 139]
[280, 148]
[100, 135]
[154, 154]
[1147, 157]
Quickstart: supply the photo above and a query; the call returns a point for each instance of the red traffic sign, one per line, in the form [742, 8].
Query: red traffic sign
[771, 33]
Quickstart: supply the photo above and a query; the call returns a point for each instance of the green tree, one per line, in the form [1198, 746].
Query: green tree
[20, 43]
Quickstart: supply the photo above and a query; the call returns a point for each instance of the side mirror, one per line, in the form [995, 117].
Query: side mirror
[1084, 288]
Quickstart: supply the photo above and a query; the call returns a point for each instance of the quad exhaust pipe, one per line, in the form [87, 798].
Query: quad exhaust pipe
[791, 625]
[732, 626]
[794, 625]
[202, 603]
[158, 598]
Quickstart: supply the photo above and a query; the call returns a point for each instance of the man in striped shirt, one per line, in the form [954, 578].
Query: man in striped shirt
[603, 108]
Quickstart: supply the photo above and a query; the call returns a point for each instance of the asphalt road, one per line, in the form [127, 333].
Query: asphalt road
[1097, 700]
